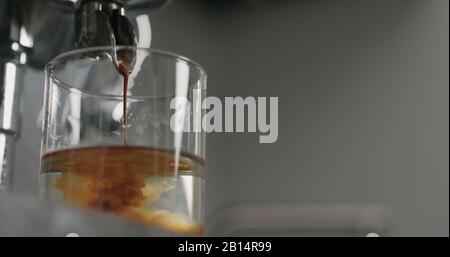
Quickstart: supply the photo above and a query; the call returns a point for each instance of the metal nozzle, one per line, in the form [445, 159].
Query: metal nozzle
[103, 23]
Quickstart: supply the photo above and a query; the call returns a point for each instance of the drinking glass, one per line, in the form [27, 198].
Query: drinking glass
[142, 160]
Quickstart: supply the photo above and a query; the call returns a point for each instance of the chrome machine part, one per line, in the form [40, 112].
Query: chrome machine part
[13, 56]
[57, 26]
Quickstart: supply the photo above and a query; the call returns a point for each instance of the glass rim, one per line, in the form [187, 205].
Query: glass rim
[50, 71]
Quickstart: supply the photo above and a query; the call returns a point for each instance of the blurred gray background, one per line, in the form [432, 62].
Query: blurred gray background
[363, 114]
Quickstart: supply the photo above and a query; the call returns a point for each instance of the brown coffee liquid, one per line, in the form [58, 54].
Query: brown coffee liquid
[125, 71]
[127, 181]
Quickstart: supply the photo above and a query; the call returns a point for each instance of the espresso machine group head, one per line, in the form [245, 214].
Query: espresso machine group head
[35, 31]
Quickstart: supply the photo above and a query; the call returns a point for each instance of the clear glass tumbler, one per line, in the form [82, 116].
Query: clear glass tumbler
[140, 157]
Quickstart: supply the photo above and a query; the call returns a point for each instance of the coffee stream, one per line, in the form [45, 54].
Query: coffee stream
[125, 69]
[125, 74]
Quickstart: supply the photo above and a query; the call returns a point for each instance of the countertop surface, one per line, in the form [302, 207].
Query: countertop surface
[27, 216]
